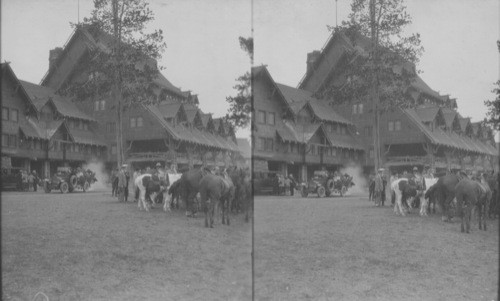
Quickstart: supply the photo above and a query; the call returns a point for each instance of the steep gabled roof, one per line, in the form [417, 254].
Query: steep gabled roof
[43, 130]
[427, 114]
[451, 139]
[206, 119]
[87, 137]
[191, 135]
[449, 117]
[191, 112]
[99, 40]
[360, 45]
[464, 123]
[298, 98]
[41, 95]
[300, 133]
[7, 70]
[169, 109]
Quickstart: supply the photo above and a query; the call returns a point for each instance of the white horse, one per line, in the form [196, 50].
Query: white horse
[424, 203]
[167, 198]
[145, 184]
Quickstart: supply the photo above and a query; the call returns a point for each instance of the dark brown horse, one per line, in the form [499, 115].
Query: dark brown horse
[471, 194]
[190, 186]
[444, 191]
[216, 192]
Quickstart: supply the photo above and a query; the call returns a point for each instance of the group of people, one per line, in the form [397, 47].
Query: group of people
[378, 183]
[120, 179]
[28, 181]
[284, 184]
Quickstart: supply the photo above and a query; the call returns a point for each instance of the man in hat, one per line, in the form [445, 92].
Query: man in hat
[122, 183]
[379, 187]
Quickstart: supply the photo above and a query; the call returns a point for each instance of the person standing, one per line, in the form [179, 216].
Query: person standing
[293, 184]
[122, 181]
[31, 180]
[136, 173]
[379, 187]
[114, 183]
[36, 180]
[127, 179]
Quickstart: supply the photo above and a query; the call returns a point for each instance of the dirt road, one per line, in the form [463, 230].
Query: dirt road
[87, 246]
[347, 249]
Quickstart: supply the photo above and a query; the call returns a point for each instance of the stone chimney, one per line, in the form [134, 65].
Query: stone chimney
[54, 55]
[312, 57]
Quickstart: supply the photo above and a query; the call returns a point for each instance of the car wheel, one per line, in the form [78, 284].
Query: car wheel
[73, 182]
[64, 187]
[86, 186]
[321, 192]
[46, 187]
[330, 184]
[303, 192]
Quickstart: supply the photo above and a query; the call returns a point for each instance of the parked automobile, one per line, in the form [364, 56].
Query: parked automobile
[11, 178]
[265, 183]
[324, 184]
[67, 180]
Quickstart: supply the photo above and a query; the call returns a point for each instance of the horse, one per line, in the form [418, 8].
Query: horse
[171, 180]
[404, 191]
[471, 194]
[429, 197]
[148, 186]
[190, 186]
[444, 191]
[215, 192]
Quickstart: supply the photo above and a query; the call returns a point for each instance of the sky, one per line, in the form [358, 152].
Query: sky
[459, 37]
[203, 52]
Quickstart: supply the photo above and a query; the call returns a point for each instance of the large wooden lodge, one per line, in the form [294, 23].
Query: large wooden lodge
[295, 133]
[431, 134]
[42, 129]
[298, 130]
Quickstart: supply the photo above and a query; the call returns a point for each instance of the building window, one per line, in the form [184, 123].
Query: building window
[37, 145]
[102, 105]
[5, 140]
[397, 125]
[139, 122]
[368, 131]
[133, 123]
[96, 105]
[343, 130]
[270, 144]
[110, 127]
[354, 109]
[372, 154]
[360, 108]
[5, 113]
[262, 144]
[391, 126]
[313, 149]
[271, 118]
[85, 126]
[261, 117]
[14, 115]
[80, 124]
[334, 152]
[292, 148]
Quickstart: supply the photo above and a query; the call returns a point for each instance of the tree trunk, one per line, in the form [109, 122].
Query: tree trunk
[374, 89]
[116, 88]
